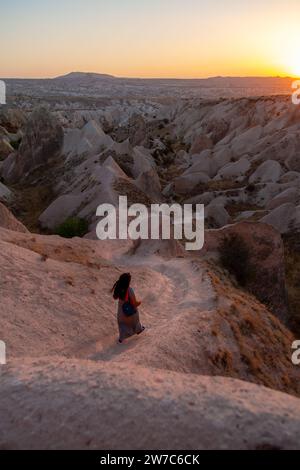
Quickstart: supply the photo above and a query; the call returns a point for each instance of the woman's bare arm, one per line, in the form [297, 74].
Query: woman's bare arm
[133, 299]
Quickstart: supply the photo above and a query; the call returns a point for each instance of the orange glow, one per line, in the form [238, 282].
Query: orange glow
[292, 63]
[156, 38]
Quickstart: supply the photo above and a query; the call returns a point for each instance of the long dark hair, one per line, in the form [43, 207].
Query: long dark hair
[120, 288]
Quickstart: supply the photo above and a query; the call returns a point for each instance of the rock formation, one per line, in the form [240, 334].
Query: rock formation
[42, 141]
[213, 368]
[266, 270]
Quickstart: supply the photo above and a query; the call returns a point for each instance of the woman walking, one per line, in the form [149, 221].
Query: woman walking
[128, 314]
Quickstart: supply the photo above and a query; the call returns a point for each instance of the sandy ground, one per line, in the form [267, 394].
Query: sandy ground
[68, 384]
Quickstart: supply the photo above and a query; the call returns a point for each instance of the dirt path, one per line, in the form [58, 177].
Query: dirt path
[184, 285]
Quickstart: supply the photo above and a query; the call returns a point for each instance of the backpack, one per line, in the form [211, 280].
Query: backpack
[127, 307]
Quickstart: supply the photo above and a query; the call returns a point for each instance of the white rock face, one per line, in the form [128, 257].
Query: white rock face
[204, 163]
[182, 159]
[290, 176]
[92, 173]
[201, 142]
[5, 192]
[222, 157]
[234, 171]
[268, 172]
[284, 218]
[143, 161]
[290, 195]
[243, 143]
[149, 183]
[89, 140]
[86, 195]
[266, 192]
[62, 208]
[216, 215]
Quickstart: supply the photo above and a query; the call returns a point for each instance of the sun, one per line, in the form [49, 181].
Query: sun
[294, 68]
[291, 61]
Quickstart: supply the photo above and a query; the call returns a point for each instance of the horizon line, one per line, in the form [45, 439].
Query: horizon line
[110, 76]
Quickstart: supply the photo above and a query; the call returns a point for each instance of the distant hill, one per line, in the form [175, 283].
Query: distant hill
[83, 77]
[89, 79]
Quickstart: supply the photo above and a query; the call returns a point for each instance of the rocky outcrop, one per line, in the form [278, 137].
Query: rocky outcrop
[268, 172]
[8, 220]
[185, 183]
[62, 208]
[11, 119]
[266, 261]
[290, 195]
[83, 202]
[84, 405]
[43, 138]
[257, 152]
[243, 142]
[137, 130]
[201, 142]
[62, 348]
[5, 193]
[235, 171]
[149, 183]
[90, 140]
[198, 373]
[203, 163]
[285, 218]
[216, 216]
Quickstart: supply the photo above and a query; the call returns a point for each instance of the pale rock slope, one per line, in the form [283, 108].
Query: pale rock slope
[239, 154]
[95, 169]
[72, 386]
[265, 261]
[42, 141]
[244, 151]
[5, 193]
[213, 368]
[8, 221]
[59, 404]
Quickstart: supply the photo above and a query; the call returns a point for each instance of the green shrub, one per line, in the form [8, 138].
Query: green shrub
[235, 257]
[72, 227]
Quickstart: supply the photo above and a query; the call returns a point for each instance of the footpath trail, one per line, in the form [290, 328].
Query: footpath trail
[181, 285]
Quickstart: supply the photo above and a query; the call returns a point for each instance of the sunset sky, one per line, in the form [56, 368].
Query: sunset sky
[150, 38]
